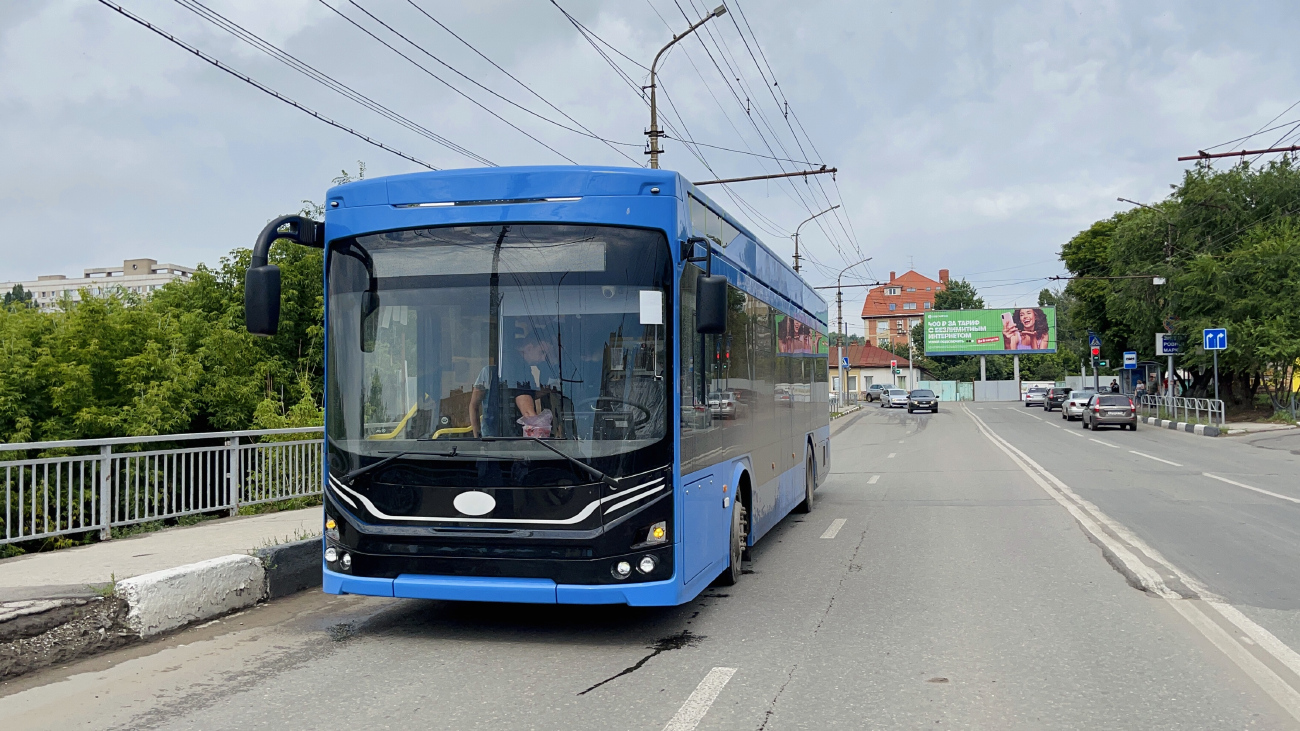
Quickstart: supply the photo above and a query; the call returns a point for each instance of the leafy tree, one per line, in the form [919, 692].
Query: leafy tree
[958, 295]
[18, 297]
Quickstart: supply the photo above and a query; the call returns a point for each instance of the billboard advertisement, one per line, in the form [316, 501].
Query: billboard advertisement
[991, 332]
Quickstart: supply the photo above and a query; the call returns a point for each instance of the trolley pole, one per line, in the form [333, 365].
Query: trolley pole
[654, 134]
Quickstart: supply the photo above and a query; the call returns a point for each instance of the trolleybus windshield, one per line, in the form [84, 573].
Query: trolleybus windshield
[474, 337]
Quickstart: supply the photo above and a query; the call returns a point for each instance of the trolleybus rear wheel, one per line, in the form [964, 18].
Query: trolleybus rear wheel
[809, 482]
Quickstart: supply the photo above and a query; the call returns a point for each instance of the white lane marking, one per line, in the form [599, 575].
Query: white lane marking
[835, 528]
[1124, 544]
[891, 455]
[693, 710]
[874, 479]
[1248, 487]
[1074, 433]
[900, 441]
[1151, 456]
[1058, 426]
[1112, 446]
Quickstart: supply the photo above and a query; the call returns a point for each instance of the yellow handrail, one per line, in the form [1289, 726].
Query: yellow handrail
[452, 430]
[398, 430]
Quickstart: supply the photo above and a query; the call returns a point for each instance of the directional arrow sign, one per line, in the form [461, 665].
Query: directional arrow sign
[1215, 338]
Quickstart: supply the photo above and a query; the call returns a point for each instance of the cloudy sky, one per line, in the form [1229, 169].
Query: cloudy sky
[971, 136]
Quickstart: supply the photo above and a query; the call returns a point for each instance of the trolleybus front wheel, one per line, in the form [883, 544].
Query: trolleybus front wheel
[739, 533]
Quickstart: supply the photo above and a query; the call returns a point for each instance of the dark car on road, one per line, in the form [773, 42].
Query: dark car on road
[922, 399]
[1105, 409]
[1055, 398]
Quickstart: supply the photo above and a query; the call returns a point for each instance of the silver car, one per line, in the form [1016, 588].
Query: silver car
[1075, 405]
[1036, 396]
[893, 397]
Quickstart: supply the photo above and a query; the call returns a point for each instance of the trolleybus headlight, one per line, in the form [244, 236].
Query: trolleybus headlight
[331, 555]
[622, 570]
[647, 564]
[346, 561]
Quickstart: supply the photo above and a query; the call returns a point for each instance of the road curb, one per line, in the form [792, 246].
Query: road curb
[1204, 430]
[291, 567]
[172, 598]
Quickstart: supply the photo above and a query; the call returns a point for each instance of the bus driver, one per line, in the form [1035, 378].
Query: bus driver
[530, 377]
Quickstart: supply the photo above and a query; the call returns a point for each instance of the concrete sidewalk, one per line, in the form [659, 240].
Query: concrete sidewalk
[74, 571]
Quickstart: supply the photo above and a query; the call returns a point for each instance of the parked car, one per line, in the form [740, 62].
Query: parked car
[723, 405]
[1104, 409]
[1056, 398]
[922, 399]
[893, 397]
[875, 391]
[1076, 403]
[1035, 396]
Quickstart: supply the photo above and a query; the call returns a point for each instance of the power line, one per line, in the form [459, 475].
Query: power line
[322, 78]
[258, 85]
[610, 143]
[420, 66]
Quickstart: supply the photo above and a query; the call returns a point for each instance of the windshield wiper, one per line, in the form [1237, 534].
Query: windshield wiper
[611, 481]
[455, 453]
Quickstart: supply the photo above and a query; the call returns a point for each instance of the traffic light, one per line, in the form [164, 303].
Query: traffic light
[1103, 364]
[1096, 352]
[893, 365]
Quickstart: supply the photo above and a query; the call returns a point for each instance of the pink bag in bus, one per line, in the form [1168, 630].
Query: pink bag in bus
[536, 426]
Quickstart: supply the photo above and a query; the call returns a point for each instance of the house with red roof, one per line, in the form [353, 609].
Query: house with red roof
[892, 310]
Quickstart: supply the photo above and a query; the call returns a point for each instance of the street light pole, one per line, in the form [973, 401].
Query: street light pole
[654, 134]
[796, 234]
[839, 308]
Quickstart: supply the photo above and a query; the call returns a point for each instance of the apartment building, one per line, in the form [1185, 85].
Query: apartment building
[892, 310]
[135, 275]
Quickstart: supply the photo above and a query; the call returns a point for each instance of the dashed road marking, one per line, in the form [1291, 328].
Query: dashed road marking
[1248, 487]
[1150, 456]
[1112, 446]
[891, 455]
[835, 528]
[693, 710]
[1074, 433]
[874, 479]
[1058, 426]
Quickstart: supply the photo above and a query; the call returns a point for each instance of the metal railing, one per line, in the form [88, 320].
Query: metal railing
[93, 487]
[1177, 408]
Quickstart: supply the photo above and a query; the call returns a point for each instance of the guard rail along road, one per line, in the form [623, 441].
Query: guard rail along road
[85, 485]
[1190, 410]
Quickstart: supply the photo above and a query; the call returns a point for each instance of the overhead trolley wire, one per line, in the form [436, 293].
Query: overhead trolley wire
[585, 130]
[258, 85]
[426, 70]
[322, 78]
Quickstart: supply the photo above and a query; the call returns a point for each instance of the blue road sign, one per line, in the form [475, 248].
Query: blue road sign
[1215, 338]
[1168, 344]
[1130, 359]
[844, 362]
[1094, 340]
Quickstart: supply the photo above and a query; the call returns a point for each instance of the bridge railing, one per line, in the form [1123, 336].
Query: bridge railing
[83, 485]
[1177, 408]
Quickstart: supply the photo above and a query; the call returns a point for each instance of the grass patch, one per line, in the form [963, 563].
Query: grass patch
[275, 506]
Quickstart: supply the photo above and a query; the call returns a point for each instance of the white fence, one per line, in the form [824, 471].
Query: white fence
[1190, 410]
[95, 488]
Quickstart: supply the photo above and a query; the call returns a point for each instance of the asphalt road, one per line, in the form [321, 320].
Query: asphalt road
[944, 579]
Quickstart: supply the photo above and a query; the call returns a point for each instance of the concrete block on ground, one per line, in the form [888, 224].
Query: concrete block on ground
[1206, 430]
[291, 567]
[165, 600]
[1166, 424]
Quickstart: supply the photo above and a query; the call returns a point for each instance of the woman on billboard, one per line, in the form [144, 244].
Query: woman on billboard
[1024, 329]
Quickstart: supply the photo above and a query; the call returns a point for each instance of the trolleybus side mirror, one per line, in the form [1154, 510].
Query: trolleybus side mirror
[711, 305]
[262, 282]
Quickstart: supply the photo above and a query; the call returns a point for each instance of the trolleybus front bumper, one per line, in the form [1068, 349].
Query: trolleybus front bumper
[502, 589]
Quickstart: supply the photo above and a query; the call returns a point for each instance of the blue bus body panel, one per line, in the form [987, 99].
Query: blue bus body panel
[600, 196]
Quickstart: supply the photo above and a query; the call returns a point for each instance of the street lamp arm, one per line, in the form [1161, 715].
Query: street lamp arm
[796, 234]
[654, 132]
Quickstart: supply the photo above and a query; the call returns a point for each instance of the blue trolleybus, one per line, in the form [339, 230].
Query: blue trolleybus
[554, 384]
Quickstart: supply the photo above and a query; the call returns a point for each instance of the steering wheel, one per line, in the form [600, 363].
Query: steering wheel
[639, 420]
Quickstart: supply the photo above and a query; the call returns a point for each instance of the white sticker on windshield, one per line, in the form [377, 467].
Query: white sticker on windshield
[652, 307]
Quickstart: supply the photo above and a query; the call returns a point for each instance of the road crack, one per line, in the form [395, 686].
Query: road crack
[685, 638]
[771, 707]
[852, 568]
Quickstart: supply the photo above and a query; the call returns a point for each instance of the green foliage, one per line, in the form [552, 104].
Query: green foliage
[18, 297]
[1226, 243]
[958, 295]
[178, 361]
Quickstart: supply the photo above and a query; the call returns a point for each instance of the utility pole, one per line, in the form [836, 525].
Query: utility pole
[839, 313]
[796, 234]
[654, 134]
